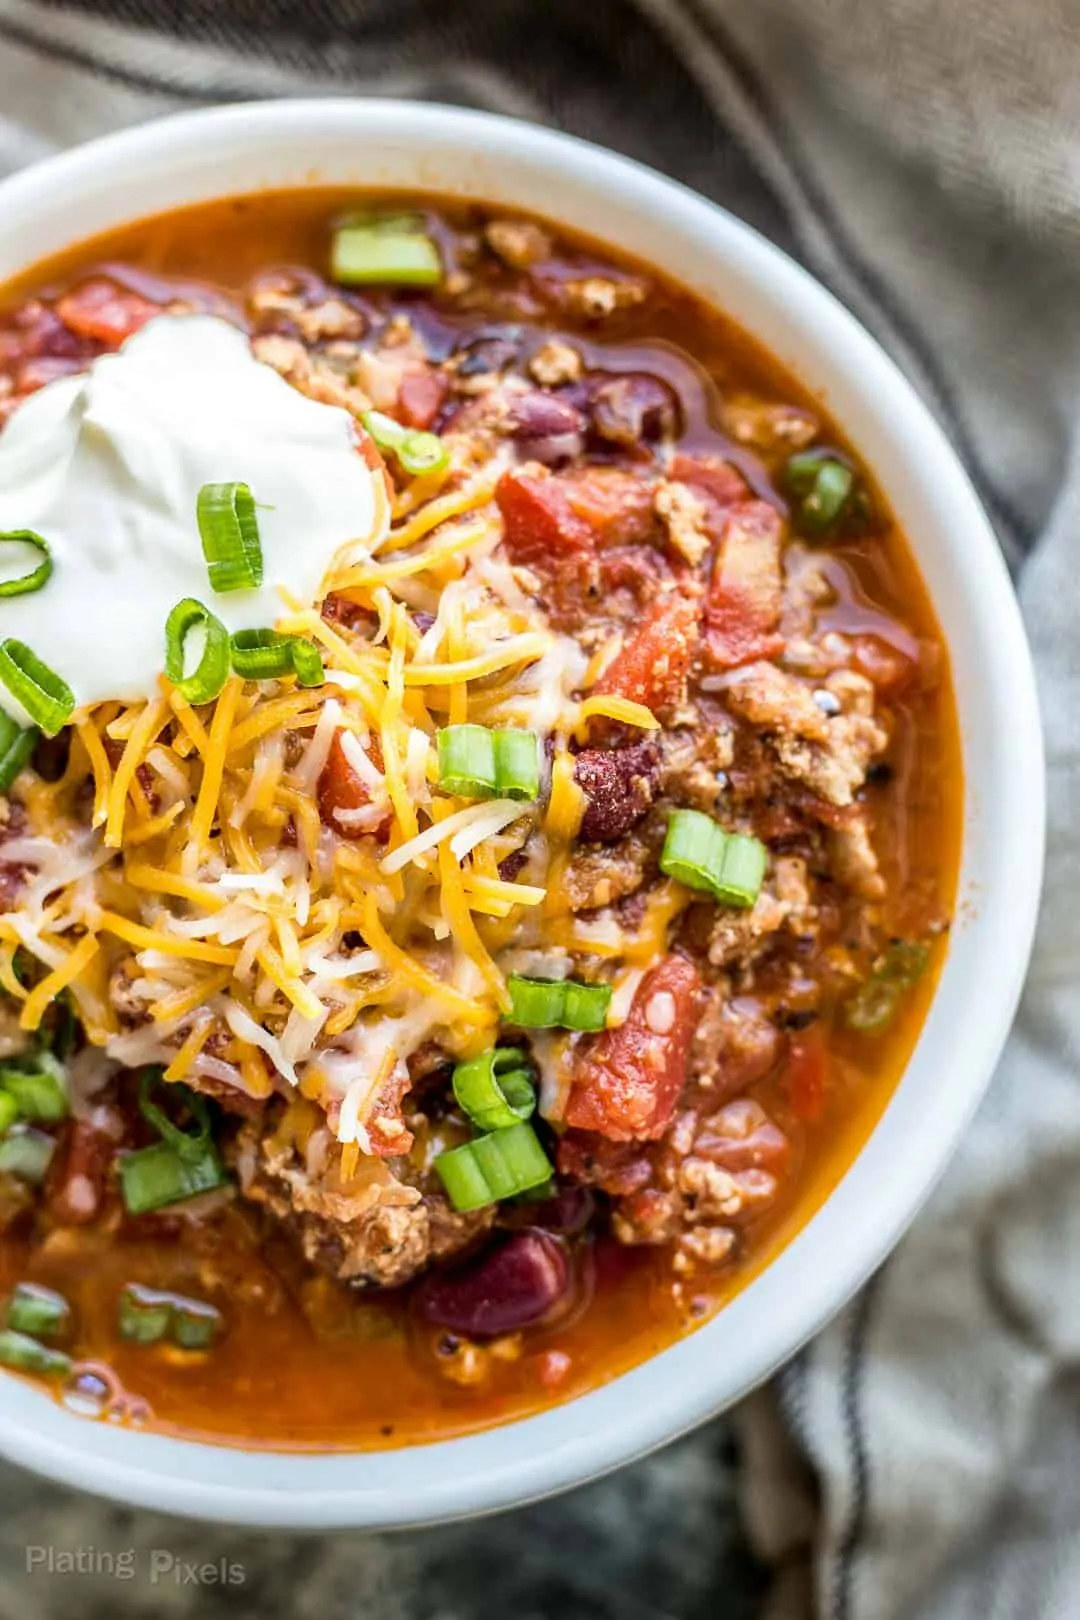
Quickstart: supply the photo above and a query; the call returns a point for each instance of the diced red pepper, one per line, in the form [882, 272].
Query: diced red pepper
[342, 788]
[742, 608]
[108, 314]
[629, 1079]
[806, 1073]
[653, 664]
[420, 397]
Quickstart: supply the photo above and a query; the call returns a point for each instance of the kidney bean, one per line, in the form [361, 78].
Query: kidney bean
[511, 1286]
[631, 406]
[620, 784]
[741, 1136]
[76, 1194]
[545, 428]
[569, 1211]
[488, 353]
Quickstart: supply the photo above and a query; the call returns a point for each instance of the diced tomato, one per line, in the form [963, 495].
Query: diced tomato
[101, 310]
[629, 1079]
[540, 527]
[653, 664]
[806, 1073]
[617, 506]
[342, 788]
[618, 1168]
[717, 483]
[886, 666]
[742, 609]
[420, 396]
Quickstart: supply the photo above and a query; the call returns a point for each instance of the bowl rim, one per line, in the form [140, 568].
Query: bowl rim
[671, 1393]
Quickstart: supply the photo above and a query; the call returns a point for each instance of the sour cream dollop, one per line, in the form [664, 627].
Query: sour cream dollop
[107, 466]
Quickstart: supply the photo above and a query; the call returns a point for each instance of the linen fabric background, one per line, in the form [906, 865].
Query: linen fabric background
[921, 1460]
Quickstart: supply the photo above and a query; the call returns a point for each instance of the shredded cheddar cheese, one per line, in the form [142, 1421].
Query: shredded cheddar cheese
[271, 934]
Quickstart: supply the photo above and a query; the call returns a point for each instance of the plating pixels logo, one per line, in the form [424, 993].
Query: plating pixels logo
[157, 1564]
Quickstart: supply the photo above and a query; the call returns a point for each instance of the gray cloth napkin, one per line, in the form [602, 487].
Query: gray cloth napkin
[921, 1460]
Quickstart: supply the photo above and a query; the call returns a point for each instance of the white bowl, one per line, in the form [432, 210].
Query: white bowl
[203, 155]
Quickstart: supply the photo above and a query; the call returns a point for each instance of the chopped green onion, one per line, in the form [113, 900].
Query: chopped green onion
[700, 854]
[517, 764]
[476, 763]
[875, 1003]
[307, 662]
[557, 1003]
[195, 1325]
[229, 532]
[45, 695]
[144, 1316]
[9, 1112]
[19, 1351]
[26, 1153]
[17, 743]
[261, 655]
[37, 1310]
[495, 1089]
[212, 671]
[493, 1167]
[155, 1177]
[33, 581]
[266, 655]
[38, 1086]
[182, 1165]
[828, 495]
[467, 761]
[418, 453]
[387, 250]
[422, 453]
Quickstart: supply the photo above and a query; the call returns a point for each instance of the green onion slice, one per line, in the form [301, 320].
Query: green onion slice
[24, 1354]
[874, 1005]
[266, 655]
[476, 763]
[35, 579]
[155, 1177]
[493, 1167]
[385, 250]
[9, 1112]
[229, 532]
[261, 655]
[26, 1153]
[829, 496]
[418, 453]
[37, 1310]
[212, 671]
[38, 1086]
[700, 854]
[45, 695]
[307, 662]
[195, 1325]
[557, 1003]
[495, 1089]
[181, 1165]
[17, 743]
[144, 1316]
[467, 761]
[422, 453]
[517, 764]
